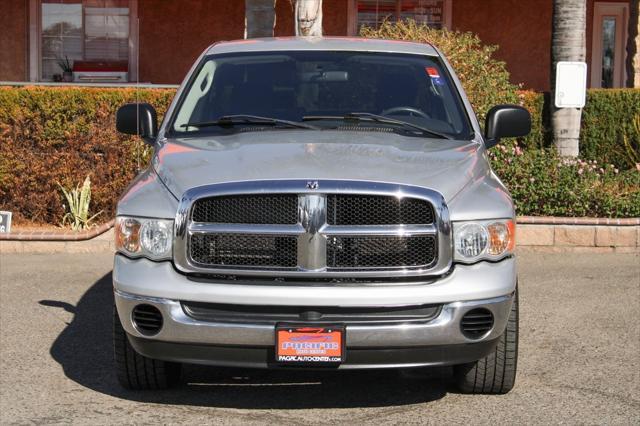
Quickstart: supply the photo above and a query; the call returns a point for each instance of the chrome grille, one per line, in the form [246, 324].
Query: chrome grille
[381, 252]
[277, 209]
[377, 210]
[232, 250]
[315, 229]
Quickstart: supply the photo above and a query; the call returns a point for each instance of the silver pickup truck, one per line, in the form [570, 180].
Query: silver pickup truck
[318, 203]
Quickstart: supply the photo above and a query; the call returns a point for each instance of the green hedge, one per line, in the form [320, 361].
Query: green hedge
[611, 127]
[537, 104]
[603, 182]
[610, 132]
[61, 135]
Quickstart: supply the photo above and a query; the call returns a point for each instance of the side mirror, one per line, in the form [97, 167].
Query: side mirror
[506, 121]
[138, 119]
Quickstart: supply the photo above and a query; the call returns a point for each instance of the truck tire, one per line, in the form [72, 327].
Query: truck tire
[138, 372]
[496, 373]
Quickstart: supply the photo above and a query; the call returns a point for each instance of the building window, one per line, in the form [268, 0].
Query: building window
[371, 13]
[92, 34]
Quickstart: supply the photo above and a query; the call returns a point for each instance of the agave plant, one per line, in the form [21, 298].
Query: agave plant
[65, 64]
[78, 200]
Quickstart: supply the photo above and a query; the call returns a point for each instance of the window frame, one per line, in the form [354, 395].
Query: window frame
[35, 41]
[352, 15]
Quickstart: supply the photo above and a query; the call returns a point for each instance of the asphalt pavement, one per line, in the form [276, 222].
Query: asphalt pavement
[579, 358]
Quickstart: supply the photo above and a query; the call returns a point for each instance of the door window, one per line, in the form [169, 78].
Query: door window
[608, 51]
[608, 45]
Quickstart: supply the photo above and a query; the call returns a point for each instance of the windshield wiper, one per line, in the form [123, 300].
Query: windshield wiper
[357, 116]
[231, 120]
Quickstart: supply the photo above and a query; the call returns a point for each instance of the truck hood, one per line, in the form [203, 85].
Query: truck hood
[443, 165]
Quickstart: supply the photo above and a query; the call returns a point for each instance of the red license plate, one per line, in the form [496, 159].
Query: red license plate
[309, 345]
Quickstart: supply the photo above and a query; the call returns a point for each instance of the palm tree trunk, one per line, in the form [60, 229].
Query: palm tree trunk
[633, 46]
[308, 17]
[259, 18]
[567, 44]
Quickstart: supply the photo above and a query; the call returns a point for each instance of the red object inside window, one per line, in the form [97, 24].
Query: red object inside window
[97, 66]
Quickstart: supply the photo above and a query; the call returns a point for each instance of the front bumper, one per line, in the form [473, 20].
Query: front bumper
[437, 341]
[483, 280]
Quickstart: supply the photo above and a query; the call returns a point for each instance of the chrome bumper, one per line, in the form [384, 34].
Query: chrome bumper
[442, 330]
[483, 280]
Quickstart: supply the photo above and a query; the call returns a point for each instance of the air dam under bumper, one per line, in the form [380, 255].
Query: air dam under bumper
[356, 358]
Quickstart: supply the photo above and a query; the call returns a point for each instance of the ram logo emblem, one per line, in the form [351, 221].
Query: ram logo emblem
[312, 184]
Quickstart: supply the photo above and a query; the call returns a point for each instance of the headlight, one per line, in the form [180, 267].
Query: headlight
[471, 240]
[138, 237]
[478, 240]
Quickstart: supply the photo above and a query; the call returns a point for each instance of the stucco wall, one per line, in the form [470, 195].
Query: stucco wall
[13, 40]
[522, 29]
[174, 33]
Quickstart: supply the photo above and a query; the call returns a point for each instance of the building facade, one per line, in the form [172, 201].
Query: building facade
[156, 41]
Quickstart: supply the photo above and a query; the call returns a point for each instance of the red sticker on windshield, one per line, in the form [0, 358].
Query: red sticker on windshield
[433, 72]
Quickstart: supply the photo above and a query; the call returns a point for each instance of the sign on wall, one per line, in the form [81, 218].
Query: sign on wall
[571, 84]
[5, 222]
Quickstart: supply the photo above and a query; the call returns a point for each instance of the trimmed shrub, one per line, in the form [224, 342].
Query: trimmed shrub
[51, 136]
[537, 104]
[484, 78]
[610, 130]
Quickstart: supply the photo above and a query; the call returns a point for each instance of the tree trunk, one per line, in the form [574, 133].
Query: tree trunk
[308, 17]
[259, 18]
[567, 44]
[633, 46]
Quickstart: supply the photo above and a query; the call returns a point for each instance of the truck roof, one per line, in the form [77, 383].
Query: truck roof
[322, 43]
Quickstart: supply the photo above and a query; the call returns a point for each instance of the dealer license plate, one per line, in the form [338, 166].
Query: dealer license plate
[310, 345]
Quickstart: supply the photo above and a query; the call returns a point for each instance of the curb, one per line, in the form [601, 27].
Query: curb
[58, 235]
[534, 234]
[602, 221]
[103, 243]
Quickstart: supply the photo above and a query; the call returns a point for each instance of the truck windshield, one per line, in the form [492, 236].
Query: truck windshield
[321, 90]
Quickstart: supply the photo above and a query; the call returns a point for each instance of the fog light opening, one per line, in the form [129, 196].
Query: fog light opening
[147, 319]
[476, 323]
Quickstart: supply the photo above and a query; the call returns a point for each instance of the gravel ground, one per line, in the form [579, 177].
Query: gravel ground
[579, 358]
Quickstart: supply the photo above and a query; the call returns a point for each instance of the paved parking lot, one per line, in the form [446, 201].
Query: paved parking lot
[579, 359]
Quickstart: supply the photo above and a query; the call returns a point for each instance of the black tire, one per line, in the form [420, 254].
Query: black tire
[138, 372]
[496, 373]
